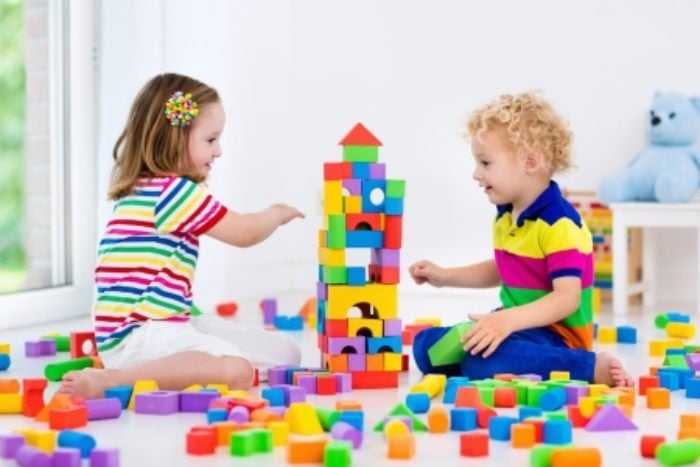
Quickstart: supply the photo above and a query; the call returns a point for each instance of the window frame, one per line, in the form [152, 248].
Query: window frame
[73, 87]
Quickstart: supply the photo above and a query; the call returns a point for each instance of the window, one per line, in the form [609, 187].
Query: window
[47, 146]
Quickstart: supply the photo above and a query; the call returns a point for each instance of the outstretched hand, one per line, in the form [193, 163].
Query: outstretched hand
[425, 271]
[287, 213]
[487, 333]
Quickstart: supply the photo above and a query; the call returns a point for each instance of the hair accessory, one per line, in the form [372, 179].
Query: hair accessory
[180, 109]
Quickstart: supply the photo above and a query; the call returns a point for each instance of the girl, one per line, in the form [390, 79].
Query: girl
[145, 327]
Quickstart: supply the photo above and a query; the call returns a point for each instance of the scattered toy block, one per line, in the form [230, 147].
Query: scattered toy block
[418, 402]
[658, 398]
[401, 446]
[607, 334]
[201, 441]
[82, 344]
[69, 417]
[33, 396]
[610, 418]
[438, 420]
[449, 348]
[463, 419]
[10, 403]
[140, 387]
[337, 453]
[227, 309]
[522, 435]
[249, 442]
[580, 457]
[307, 449]
[75, 439]
[686, 451]
[474, 444]
[648, 445]
[302, 419]
[157, 402]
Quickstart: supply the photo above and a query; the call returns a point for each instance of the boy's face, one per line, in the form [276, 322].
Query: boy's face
[204, 140]
[498, 170]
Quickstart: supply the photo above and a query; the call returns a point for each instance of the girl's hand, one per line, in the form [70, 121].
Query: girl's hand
[487, 333]
[424, 271]
[286, 213]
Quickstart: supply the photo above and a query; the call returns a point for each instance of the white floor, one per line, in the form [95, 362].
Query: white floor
[156, 440]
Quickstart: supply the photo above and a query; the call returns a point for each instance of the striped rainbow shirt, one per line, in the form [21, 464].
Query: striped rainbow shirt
[550, 240]
[147, 257]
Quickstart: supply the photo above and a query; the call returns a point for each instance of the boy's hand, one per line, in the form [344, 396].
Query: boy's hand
[487, 333]
[286, 213]
[424, 271]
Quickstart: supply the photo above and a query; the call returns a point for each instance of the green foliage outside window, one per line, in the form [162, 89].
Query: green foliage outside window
[12, 116]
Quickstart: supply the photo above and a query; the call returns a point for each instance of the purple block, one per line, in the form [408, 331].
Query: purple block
[101, 409]
[693, 360]
[385, 257]
[345, 431]
[196, 401]
[530, 377]
[239, 414]
[157, 402]
[357, 362]
[9, 444]
[337, 344]
[321, 291]
[277, 376]
[293, 394]
[377, 171]
[343, 382]
[574, 393]
[269, 310]
[102, 457]
[48, 346]
[66, 457]
[308, 382]
[353, 186]
[32, 349]
[392, 327]
[29, 456]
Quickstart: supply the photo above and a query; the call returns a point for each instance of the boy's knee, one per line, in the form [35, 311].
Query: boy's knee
[239, 373]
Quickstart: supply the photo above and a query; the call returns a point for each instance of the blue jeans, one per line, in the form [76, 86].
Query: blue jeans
[538, 351]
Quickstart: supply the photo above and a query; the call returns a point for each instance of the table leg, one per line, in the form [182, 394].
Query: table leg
[620, 262]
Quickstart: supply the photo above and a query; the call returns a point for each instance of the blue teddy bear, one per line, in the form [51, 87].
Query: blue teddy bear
[668, 169]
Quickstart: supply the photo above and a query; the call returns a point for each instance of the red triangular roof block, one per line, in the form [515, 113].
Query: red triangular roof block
[360, 136]
[610, 418]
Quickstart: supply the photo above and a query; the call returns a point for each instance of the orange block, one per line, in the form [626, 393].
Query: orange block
[468, 396]
[401, 446]
[438, 420]
[348, 405]
[658, 398]
[9, 386]
[522, 435]
[70, 417]
[223, 432]
[264, 416]
[308, 308]
[690, 421]
[308, 449]
[580, 457]
[58, 401]
[337, 363]
[375, 362]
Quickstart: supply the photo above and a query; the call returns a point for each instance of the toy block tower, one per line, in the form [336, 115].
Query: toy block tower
[358, 326]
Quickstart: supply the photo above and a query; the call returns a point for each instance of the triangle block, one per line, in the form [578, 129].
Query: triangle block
[360, 136]
[402, 411]
[610, 418]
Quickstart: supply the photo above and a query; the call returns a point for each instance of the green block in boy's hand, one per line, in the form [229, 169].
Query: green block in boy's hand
[448, 349]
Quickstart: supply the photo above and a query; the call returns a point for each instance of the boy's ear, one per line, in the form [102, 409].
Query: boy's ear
[533, 161]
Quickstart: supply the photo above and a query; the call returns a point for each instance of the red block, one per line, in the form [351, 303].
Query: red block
[33, 396]
[483, 415]
[201, 440]
[227, 309]
[82, 344]
[648, 444]
[249, 404]
[256, 378]
[326, 385]
[576, 417]
[505, 397]
[474, 444]
[539, 428]
[337, 170]
[383, 275]
[405, 362]
[393, 231]
[71, 417]
[468, 396]
[337, 327]
[367, 221]
[375, 379]
[646, 382]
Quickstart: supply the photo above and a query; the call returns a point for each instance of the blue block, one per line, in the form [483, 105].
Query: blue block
[321, 315]
[289, 323]
[356, 275]
[123, 393]
[364, 239]
[371, 202]
[499, 427]
[289, 377]
[454, 383]
[4, 361]
[393, 206]
[275, 396]
[463, 419]
[681, 376]
[626, 335]
[355, 418]
[384, 344]
[678, 317]
[669, 380]
[216, 415]
[692, 388]
[675, 352]
[360, 170]
[553, 399]
[75, 439]
[418, 402]
[557, 432]
[529, 412]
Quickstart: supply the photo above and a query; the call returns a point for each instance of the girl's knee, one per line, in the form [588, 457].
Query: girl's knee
[239, 373]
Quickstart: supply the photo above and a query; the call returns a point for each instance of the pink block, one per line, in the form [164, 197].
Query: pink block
[357, 362]
[343, 382]
[344, 431]
[392, 327]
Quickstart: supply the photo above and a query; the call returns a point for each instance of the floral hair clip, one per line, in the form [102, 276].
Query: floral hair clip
[180, 109]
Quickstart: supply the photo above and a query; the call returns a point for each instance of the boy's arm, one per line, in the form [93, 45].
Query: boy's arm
[244, 230]
[478, 275]
[493, 328]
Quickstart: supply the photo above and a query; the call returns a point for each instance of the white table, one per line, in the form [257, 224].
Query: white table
[647, 216]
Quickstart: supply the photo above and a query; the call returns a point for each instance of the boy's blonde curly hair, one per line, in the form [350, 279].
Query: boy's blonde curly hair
[531, 124]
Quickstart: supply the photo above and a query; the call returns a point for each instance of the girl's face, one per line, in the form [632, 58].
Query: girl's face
[204, 140]
[498, 170]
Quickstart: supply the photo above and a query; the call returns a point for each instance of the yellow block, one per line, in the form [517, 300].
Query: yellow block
[312, 320]
[333, 197]
[431, 384]
[238, 394]
[10, 403]
[193, 388]
[657, 347]
[140, 386]
[392, 361]
[322, 237]
[560, 375]
[280, 432]
[383, 297]
[45, 441]
[376, 326]
[595, 390]
[221, 388]
[302, 419]
[353, 204]
[607, 334]
[329, 257]
[4, 347]
[395, 428]
[432, 321]
[680, 330]
[587, 406]
[675, 343]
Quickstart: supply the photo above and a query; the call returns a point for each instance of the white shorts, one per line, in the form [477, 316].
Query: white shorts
[205, 333]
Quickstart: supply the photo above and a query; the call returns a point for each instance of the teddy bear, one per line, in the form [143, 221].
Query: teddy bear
[668, 168]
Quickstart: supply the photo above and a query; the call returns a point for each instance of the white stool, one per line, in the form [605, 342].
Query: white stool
[646, 215]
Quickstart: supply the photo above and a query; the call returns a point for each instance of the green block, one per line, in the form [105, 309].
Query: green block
[676, 361]
[684, 452]
[327, 417]
[448, 349]
[692, 348]
[360, 153]
[195, 310]
[336, 231]
[661, 321]
[558, 415]
[335, 274]
[337, 453]
[395, 189]
[541, 456]
[248, 442]
[62, 342]
[534, 393]
[487, 395]
[55, 371]
[401, 410]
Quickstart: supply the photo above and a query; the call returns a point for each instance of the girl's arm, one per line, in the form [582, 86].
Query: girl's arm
[244, 230]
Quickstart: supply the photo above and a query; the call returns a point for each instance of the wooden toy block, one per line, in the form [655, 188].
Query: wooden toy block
[375, 362]
[9, 386]
[505, 397]
[686, 451]
[306, 449]
[610, 418]
[337, 328]
[384, 344]
[336, 234]
[10, 403]
[302, 419]
[363, 239]
[474, 444]
[680, 330]
[33, 396]
[401, 446]
[396, 427]
[226, 309]
[70, 417]
[648, 445]
[393, 231]
[393, 206]
[393, 361]
[337, 170]
[55, 371]
[658, 398]
[373, 196]
[583, 457]
[5, 361]
[332, 197]
[431, 384]
[353, 153]
[522, 435]
[365, 327]
[438, 420]
[334, 274]
[157, 402]
[337, 453]
[201, 442]
[383, 299]
[82, 344]
[500, 427]
[449, 348]
[607, 334]
[364, 221]
[657, 347]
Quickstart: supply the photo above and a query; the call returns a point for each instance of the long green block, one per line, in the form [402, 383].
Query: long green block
[248, 442]
[541, 456]
[335, 274]
[684, 452]
[487, 395]
[360, 153]
[336, 231]
[676, 361]
[534, 393]
[55, 371]
[448, 349]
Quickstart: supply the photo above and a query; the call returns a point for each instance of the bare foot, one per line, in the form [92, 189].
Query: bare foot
[88, 383]
[608, 370]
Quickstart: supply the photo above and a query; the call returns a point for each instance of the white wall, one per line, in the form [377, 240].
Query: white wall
[296, 75]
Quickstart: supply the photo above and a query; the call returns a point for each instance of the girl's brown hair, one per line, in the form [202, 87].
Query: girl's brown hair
[150, 146]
